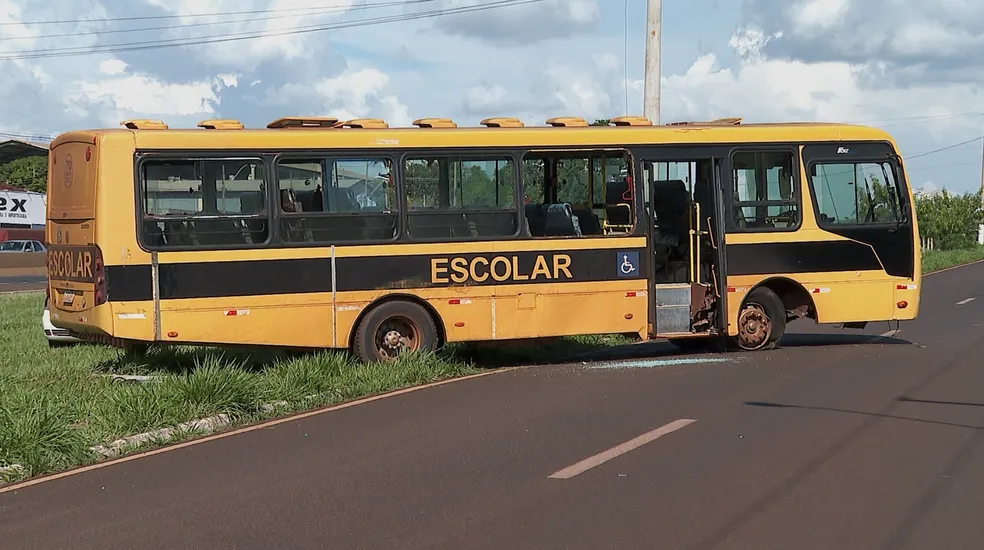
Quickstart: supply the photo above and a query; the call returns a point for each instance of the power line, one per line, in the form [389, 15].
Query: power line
[308, 12]
[250, 35]
[173, 16]
[948, 147]
[919, 118]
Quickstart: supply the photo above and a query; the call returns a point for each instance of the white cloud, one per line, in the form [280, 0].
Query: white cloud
[521, 23]
[280, 31]
[815, 16]
[113, 67]
[353, 93]
[127, 96]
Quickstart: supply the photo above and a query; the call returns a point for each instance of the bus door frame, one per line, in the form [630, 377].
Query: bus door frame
[721, 154]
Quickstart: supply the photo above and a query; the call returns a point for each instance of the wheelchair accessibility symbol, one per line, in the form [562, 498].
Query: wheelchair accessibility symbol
[628, 263]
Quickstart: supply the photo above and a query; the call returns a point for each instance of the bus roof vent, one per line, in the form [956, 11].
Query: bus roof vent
[731, 121]
[503, 122]
[304, 122]
[568, 122]
[366, 123]
[632, 121]
[144, 124]
[221, 124]
[435, 123]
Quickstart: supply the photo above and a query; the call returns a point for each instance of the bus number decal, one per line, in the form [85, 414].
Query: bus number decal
[460, 270]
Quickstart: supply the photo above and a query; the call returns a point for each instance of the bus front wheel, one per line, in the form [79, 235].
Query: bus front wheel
[393, 329]
[761, 321]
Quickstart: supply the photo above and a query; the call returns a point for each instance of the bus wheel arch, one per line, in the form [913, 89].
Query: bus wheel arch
[396, 324]
[766, 310]
[796, 299]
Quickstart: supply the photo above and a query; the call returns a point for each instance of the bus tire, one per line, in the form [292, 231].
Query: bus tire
[392, 329]
[761, 321]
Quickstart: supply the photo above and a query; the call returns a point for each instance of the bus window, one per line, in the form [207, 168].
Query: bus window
[765, 196]
[203, 203]
[856, 193]
[452, 198]
[578, 194]
[329, 200]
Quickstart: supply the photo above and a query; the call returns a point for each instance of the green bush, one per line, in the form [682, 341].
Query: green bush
[950, 220]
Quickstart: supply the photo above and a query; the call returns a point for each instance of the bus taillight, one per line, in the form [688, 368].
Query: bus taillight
[99, 271]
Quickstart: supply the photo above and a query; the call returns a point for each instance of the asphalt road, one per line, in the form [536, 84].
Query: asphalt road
[22, 283]
[842, 440]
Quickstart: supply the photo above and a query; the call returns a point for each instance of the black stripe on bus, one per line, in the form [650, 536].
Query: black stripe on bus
[800, 257]
[312, 275]
[129, 283]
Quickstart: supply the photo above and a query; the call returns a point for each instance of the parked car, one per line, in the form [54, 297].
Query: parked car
[56, 336]
[22, 246]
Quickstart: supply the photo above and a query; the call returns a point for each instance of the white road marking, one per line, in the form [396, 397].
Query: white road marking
[967, 301]
[621, 449]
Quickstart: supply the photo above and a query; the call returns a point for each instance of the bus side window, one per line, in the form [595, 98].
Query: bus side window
[203, 203]
[332, 200]
[578, 194]
[461, 198]
[766, 193]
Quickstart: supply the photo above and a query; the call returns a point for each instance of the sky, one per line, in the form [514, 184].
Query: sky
[909, 66]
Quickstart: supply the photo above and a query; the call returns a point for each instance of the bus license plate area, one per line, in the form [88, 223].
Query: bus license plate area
[68, 297]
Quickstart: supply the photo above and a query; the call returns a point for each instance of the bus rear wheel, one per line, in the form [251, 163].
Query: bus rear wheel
[761, 322]
[393, 329]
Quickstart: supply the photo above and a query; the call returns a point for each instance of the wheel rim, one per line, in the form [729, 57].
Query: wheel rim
[754, 327]
[396, 336]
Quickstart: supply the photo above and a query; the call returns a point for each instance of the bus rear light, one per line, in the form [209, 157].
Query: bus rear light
[99, 272]
[903, 304]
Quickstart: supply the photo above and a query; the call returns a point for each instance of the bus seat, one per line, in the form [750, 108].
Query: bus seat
[617, 196]
[672, 209]
[588, 221]
[559, 221]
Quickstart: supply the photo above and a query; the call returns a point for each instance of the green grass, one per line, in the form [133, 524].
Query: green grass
[55, 403]
[936, 260]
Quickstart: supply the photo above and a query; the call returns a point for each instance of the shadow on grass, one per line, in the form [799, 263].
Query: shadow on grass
[183, 360]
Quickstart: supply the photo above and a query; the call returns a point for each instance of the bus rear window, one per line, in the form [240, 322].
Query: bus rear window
[204, 202]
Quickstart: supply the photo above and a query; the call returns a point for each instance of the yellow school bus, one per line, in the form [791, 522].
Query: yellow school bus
[321, 233]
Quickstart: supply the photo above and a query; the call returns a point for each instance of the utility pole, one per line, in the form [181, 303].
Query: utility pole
[654, 41]
[980, 227]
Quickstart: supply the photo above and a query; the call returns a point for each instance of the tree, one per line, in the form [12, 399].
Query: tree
[950, 220]
[30, 173]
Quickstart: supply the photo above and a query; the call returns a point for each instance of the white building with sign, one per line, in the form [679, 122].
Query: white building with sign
[19, 209]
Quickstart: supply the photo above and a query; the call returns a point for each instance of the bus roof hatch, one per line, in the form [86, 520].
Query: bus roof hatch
[144, 124]
[221, 124]
[632, 121]
[435, 123]
[568, 122]
[304, 122]
[503, 122]
[366, 123]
